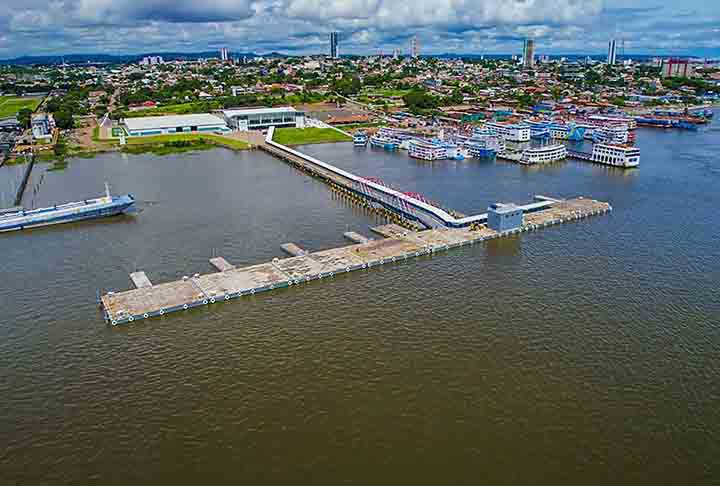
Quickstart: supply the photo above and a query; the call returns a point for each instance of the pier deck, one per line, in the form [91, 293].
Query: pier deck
[398, 245]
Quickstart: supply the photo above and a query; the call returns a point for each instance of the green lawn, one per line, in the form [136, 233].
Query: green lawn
[189, 137]
[299, 136]
[386, 92]
[10, 105]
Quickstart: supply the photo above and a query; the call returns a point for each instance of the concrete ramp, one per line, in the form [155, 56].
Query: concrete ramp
[356, 237]
[140, 280]
[293, 249]
[221, 264]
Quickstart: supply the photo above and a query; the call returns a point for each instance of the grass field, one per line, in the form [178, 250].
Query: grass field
[189, 137]
[388, 92]
[10, 105]
[299, 136]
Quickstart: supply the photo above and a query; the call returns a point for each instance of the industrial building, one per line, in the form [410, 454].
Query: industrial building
[7, 142]
[10, 125]
[262, 118]
[165, 125]
[42, 125]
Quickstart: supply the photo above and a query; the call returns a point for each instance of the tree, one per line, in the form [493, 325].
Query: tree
[417, 100]
[24, 117]
[347, 86]
[456, 98]
[64, 119]
[60, 149]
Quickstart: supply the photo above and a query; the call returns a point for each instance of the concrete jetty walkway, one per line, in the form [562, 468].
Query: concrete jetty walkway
[398, 246]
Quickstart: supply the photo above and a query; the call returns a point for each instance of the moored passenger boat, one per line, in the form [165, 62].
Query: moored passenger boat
[616, 155]
[479, 149]
[386, 143]
[66, 213]
[544, 154]
[614, 134]
[360, 139]
[426, 150]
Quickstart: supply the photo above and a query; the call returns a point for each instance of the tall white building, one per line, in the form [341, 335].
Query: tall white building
[151, 60]
[612, 52]
[528, 58]
[334, 45]
[414, 47]
[224, 54]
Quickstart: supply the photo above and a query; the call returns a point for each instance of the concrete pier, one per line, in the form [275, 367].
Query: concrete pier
[399, 245]
[443, 232]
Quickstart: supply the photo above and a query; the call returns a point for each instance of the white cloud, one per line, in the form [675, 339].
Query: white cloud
[42, 26]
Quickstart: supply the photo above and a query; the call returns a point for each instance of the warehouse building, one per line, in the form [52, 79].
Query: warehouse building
[42, 125]
[166, 125]
[262, 118]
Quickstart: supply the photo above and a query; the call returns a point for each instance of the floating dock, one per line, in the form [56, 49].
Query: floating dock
[399, 245]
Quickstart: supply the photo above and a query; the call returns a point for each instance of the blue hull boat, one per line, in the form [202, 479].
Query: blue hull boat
[101, 207]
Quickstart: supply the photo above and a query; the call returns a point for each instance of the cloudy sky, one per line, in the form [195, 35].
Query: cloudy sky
[41, 27]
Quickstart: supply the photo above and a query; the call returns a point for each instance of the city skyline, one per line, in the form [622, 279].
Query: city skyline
[38, 27]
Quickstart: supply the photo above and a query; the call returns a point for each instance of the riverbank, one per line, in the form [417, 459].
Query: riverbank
[159, 145]
[180, 143]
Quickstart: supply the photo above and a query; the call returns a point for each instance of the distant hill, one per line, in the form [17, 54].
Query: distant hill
[118, 58]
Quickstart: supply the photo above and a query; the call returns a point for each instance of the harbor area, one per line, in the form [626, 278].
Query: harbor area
[397, 244]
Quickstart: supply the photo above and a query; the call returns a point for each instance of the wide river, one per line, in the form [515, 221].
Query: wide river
[586, 353]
